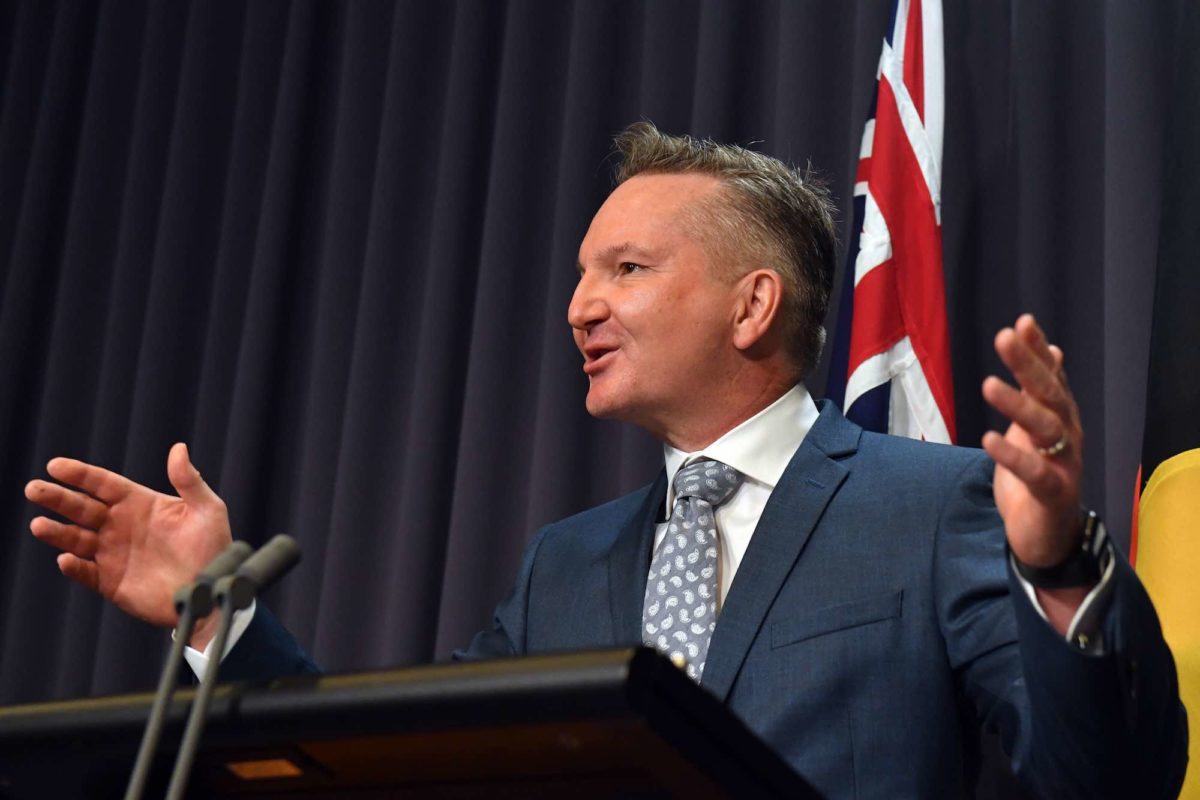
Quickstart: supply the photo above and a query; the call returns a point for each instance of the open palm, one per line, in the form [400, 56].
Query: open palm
[133, 545]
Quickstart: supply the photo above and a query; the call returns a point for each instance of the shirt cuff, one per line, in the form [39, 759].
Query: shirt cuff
[1085, 629]
[198, 660]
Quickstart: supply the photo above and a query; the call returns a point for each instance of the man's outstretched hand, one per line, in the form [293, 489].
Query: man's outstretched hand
[133, 545]
[1039, 459]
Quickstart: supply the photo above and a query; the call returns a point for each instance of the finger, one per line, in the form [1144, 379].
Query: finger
[1033, 374]
[1031, 332]
[1029, 329]
[96, 481]
[75, 506]
[68, 538]
[1051, 354]
[85, 573]
[1059, 357]
[1022, 358]
[1032, 469]
[187, 479]
[1043, 425]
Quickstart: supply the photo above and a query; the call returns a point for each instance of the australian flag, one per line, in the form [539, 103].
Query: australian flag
[891, 352]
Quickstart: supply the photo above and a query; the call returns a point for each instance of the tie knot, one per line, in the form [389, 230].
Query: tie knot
[710, 481]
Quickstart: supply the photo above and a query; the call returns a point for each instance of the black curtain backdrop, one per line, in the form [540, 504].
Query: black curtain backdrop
[331, 245]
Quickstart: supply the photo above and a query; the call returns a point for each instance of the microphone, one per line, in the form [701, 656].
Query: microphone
[200, 593]
[231, 593]
[259, 571]
[192, 602]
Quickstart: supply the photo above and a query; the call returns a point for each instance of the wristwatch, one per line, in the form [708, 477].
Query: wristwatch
[1082, 567]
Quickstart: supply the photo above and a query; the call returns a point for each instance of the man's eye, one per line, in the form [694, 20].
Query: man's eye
[629, 267]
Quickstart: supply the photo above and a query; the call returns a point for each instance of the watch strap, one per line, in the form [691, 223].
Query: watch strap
[1083, 567]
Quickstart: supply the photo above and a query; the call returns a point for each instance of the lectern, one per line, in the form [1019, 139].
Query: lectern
[614, 723]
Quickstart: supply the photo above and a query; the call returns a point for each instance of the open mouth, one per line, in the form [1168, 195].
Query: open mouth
[596, 359]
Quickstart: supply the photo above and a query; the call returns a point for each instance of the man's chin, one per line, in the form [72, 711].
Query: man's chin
[599, 409]
[602, 405]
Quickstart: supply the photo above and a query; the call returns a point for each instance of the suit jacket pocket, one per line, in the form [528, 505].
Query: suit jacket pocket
[806, 625]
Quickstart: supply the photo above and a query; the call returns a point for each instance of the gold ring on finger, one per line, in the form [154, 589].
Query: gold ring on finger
[1055, 449]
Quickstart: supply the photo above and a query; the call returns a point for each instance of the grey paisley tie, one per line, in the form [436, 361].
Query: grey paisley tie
[680, 610]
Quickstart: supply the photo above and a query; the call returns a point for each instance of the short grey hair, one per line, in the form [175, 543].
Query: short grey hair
[768, 215]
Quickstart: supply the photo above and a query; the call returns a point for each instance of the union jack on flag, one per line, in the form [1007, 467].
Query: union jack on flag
[891, 352]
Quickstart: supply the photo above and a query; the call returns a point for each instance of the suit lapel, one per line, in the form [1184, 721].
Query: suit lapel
[629, 564]
[808, 484]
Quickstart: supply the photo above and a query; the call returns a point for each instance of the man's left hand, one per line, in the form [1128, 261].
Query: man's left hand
[1039, 459]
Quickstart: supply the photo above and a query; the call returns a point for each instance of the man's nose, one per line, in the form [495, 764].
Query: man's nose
[587, 305]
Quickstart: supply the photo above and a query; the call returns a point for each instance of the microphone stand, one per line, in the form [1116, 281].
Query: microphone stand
[192, 602]
[232, 593]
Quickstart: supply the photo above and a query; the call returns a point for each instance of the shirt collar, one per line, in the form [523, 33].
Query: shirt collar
[761, 447]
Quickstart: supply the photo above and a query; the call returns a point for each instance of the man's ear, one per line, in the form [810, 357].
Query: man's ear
[759, 300]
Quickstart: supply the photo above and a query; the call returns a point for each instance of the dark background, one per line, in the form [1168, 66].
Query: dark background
[331, 245]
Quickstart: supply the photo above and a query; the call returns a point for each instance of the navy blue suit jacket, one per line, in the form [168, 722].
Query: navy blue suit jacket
[872, 627]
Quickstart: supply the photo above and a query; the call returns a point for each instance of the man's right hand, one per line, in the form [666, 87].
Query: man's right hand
[133, 545]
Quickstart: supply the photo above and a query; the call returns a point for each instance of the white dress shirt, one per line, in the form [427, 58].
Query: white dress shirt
[760, 448]
[198, 660]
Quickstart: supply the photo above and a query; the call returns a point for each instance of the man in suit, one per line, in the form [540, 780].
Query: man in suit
[877, 597]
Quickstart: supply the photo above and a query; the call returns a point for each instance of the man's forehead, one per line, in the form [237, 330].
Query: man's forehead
[645, 211]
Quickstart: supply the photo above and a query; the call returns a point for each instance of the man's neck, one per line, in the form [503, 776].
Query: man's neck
[696, 434]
